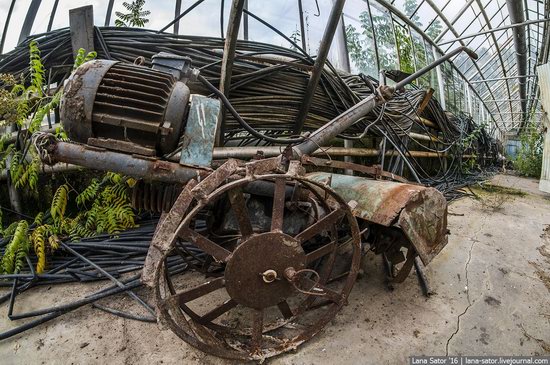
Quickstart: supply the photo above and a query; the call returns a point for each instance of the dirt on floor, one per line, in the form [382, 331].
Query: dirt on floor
[490, 297]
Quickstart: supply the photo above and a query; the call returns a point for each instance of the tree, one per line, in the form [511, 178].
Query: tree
[360, 42]
[136, 17]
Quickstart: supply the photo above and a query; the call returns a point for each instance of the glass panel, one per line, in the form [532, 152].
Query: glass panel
[383, 28]
[420, 58]
[283, 15]
[360, 38]
[405, 47]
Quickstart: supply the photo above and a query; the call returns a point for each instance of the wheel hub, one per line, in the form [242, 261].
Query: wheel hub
[254, 274]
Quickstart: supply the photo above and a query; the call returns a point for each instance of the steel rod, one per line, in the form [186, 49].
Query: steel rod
[322, 54]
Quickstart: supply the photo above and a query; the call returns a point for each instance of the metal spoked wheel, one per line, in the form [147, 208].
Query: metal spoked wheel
[286, 273]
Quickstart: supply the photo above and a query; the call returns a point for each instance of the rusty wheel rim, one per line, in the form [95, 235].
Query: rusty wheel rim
[292, 293]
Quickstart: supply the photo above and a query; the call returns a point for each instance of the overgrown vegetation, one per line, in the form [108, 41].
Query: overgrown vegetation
[528, 161]
[466, 146]
[396, 47]
[101, 207]
[136, 16]
[494, 197]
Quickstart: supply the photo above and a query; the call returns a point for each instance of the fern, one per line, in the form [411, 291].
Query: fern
[110, 212]
[83, 57]
[16, 249]
[135, 17]
[59, 203]
[89, 193]
[10, 230]
[36, 69]
[38, 239]
[27, 174]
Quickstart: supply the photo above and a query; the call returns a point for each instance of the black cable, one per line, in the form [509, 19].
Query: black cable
[241, 121]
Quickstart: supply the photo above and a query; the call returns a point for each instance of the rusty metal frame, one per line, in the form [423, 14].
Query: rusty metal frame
[229, 48]
[322, 54]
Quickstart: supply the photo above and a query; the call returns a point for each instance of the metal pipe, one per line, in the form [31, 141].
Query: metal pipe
[322, 54]
[348, 118]
[97, 158]
[517, 16]
[437, 62]
[302, 26]
[222, 153]
[245, 21]
[436, 47]
[499, 79]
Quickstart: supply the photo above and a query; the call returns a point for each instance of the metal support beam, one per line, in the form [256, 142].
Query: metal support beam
[302, 25]
[334, 18]
[109, 13]
[473, 35]
[343, 56]
[499, 79]
[177, 12]
[405, 19]
[245, 21]
[29, 20]
[5, 32]
[230, 45]
[517, 16]
[81, 23]
[177, 19]
[52, 15]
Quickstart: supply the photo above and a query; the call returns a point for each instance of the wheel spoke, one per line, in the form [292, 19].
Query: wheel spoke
[285, 309]
[321, 225]
[196, 292]
[257, 328]
[218, 311]
[238, 204]
[320, 252]
[278, 205]
[219, 253]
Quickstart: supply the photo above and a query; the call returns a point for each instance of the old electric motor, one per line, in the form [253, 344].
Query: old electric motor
[126, 107]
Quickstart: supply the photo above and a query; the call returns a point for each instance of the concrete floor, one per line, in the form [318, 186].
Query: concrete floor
[491, 296]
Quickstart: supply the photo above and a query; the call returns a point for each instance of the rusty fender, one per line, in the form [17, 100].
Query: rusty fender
[420, 212]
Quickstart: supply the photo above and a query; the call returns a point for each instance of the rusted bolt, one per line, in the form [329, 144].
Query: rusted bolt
[269, 276]
[290, 273]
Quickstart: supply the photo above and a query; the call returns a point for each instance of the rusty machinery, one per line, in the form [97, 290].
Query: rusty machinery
[284, 245]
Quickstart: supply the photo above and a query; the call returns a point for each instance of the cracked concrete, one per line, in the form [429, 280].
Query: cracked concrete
[488, 299]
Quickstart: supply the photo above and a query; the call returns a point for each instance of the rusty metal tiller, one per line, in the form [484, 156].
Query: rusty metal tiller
[283, 239]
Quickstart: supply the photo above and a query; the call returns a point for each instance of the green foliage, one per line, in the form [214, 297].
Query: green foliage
[136, 16]
[83, 57]
[36, 69]
[109, 212]
[466, 146]
[405, 47]
[26, 105]
[59, 203]
[391, 39]
[528, 161]
[17, 248]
